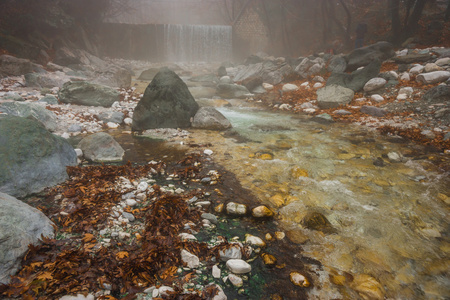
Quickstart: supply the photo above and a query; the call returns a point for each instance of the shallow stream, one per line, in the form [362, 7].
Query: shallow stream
[380, 205]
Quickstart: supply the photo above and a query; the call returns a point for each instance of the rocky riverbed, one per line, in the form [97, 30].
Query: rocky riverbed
[220, 238]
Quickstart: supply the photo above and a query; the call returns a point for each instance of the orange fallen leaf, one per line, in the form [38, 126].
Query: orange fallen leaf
[87, 238]
[45, 275]
[122, 254]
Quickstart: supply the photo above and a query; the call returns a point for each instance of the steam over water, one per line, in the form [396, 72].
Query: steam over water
[197, 43]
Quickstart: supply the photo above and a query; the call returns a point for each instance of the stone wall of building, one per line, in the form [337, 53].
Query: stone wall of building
[250, 34]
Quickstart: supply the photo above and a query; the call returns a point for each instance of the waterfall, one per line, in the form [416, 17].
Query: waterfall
[197, 43]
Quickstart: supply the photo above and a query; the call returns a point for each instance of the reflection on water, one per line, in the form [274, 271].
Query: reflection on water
[387, 205]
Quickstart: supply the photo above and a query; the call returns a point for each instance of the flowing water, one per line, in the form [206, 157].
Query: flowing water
[195, 43]
[389, 222]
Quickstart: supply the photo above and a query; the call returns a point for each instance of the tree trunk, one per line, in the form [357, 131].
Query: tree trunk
[394, 8]
[413, 22]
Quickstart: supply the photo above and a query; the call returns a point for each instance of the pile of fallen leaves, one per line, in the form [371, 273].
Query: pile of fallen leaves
[81, 264]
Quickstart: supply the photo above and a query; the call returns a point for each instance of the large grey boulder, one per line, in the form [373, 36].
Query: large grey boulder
[232, 91]
[413, 58]
[248, 72]
[20, 225]
[279, 74]
[357, 79]
[46, 80]
[363, 56]
[210, 118]
[31, 158]
[12, 66]
[337, 64]
[89, 94]
[101, 147]
[112, 76]
[167, 103]
[148, 74]
[334, 96]
[31, 110]
[437, 94]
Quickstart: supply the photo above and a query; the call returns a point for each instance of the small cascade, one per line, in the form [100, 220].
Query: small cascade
[195, 43]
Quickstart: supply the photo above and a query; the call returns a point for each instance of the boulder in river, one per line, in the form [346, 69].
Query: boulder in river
[89, 94]
[167, 103]
[232, 91]
[363, 56]
[20, 225]
[46, 80]
[101, 147]
[210, 118]
[32, 158]
[31, 110]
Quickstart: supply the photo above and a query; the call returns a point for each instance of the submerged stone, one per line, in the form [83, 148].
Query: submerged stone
[317, 221]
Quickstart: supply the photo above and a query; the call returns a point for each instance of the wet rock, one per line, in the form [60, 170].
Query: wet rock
[111, 116]
[89, 94]
[236, 280]
[433, 77]
[269, 259]
[13, 96]
[374, 84]
[31, 110]
[333, 96]
[20, 225]
[368, 287]
[210, 217]
[210, 118]
[437, 94]
[12, 66]
[277, 200]
[254, 240]
[379, 162]
[101, 147]
[394, 157]
[337, 64]
[148, 74]
[191, 260]
[373, 111]
[32, 158]
[364, 56]
[299, 279]
[412, 58]
[323, 119]
[46, 80]
[317, 221]
[262, 211]
[357, 79]
[232, 91]
[238, 266]
[167, 103]
[297, 236]
[231, 252]
[233, 208]
[50, 99]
